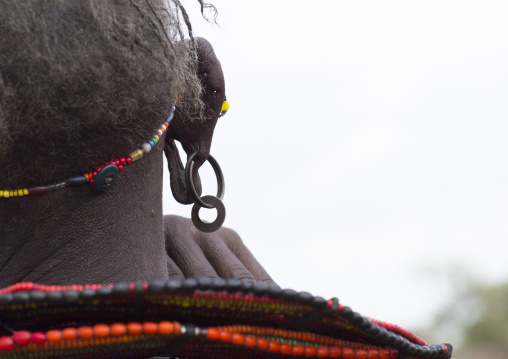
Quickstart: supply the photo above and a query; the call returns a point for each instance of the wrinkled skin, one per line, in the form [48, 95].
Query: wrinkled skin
[76, 236]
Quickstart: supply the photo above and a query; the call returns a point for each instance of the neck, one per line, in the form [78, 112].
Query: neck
[76, 236]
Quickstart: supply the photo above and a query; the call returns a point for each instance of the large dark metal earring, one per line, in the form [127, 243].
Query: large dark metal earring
[206, 201]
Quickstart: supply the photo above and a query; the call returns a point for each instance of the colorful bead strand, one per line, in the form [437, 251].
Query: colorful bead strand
[107, 172]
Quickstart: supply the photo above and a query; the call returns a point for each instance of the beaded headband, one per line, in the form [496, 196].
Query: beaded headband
[104, 176]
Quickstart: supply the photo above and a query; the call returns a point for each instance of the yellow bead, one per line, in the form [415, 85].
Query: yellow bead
[6, 194]
[20, 192]
[225, 106]
[25, 191]
[1, 194]
[11, 193]
[136, 155]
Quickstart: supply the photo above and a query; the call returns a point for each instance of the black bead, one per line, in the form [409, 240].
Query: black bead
[77, 180]
[405, 347]
[433, 351]
[189, 284]
[87, 294]
[37, 296]
[233, 284]
[259, 288]
[319, 303]
[305, 297]
[70, 296]
[156, 286]
[120, 289]
[374, 330]
[218, 283]
[204, 283]
[54, 297]
[347, 313]
[21, 297]
[274, 291]
[246, 285]
[190, 330]
[105, 178]
[104, 292]
[356, 319]
[289, 294]
[335, 304]
[365, 324]
[174, 286]
[6, 299]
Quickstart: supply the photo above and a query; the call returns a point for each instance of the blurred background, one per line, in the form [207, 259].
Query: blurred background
[365, 156]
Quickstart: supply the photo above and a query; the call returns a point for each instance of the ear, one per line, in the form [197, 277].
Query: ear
[193, 134]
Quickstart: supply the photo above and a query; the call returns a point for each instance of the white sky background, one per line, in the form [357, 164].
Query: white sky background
[365, 150]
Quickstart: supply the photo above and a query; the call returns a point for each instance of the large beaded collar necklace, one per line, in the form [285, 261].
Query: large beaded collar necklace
[104, 176]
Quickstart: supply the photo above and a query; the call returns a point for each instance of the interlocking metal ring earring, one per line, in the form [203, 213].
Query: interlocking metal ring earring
[206, 201]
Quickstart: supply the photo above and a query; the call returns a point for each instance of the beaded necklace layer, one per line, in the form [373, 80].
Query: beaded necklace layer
[193, 318]
[104, 176]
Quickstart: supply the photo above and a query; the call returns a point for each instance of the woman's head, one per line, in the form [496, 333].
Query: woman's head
[84, 81]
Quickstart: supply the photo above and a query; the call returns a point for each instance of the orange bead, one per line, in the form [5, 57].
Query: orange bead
[101, 330]
[384, 354]
[335, 352]
[166, 328]
[285, 349]
[225, 337]
[85, 332]
[213, 334]
[237, 339]
[348, 353]
[54, 335]
[150, 328]
[361, 354]
[273, 346]
[298, 350]
[323, 352]
[250, 342]
[178, 328]
[262, 344]
[372, 354]
[69, 333]
[310, 351]
[118, 329]
[134, 328]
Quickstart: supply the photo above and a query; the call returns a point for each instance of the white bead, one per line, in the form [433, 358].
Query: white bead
[163, 126]
[146, 147]
[160, 132]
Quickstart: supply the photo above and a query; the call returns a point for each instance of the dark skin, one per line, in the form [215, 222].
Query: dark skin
[74, 235]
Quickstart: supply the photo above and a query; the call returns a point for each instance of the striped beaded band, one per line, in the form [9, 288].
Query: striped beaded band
[104, 176]
[193, 318]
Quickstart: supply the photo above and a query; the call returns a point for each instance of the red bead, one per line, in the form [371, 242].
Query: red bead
[361, 354]
[117, 163]
[150, 328]
[212, 334]
[94, 173]
[310, 351]
[372, 354]
[38, 338]
[22, 337]
[323, 352]
[237, 339]
[298, 350]
[128, 160]
[225, 337]
[335, 352]
[250, 342]
[6, 343]
[54, 335]
[262, 344]
[273, 346]
[122, 160]
[285, 349]
[120, 167]
[384, 354]
[348, 353]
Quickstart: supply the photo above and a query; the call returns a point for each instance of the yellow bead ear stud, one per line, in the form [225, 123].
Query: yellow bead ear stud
[225, 107]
